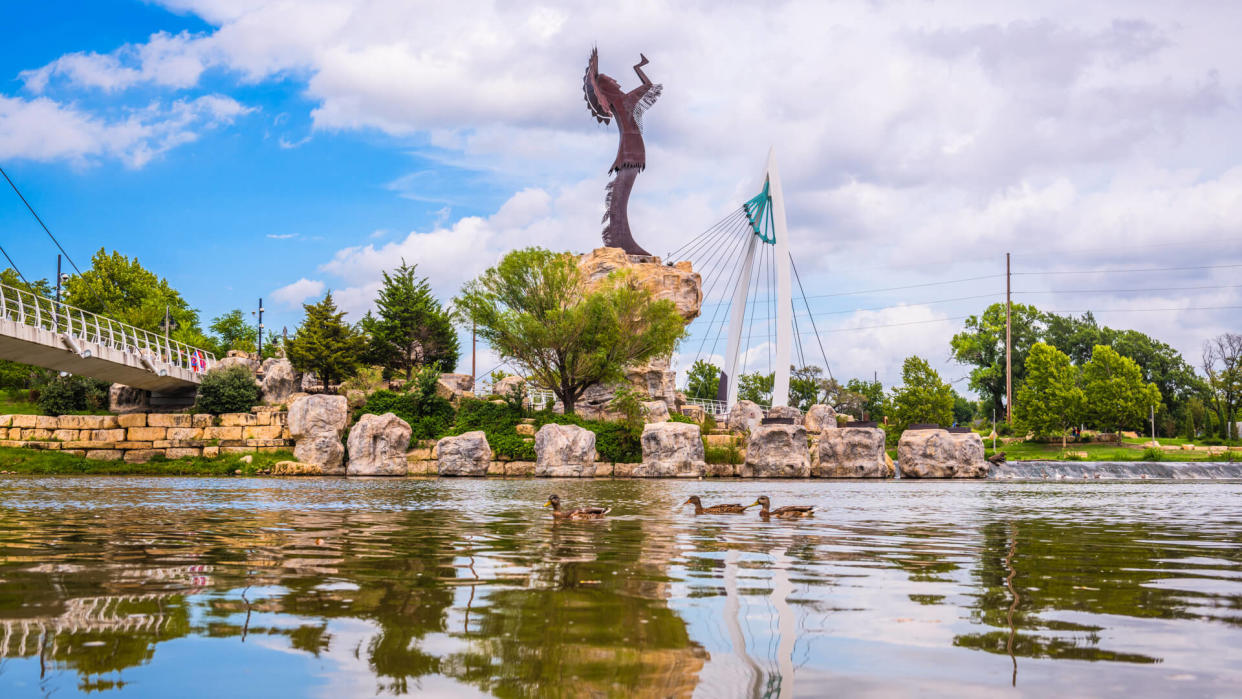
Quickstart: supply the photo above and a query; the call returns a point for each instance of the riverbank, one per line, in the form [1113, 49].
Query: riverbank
[51, 462]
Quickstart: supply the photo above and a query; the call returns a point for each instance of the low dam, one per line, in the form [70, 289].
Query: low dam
[1123, 470]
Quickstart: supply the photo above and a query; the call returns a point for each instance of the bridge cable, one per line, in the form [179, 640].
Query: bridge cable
[808, 312]
[15, 269]
[735, 274]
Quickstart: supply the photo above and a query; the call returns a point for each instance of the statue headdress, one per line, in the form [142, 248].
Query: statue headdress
[590, 90]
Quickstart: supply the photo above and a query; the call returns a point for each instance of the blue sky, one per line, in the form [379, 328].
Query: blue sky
[247, 149]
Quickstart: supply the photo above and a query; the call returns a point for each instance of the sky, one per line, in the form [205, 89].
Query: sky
[247, 149]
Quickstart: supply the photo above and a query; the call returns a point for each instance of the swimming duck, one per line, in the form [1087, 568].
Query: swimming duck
[787, 512]
[581, 513]
[730, 509]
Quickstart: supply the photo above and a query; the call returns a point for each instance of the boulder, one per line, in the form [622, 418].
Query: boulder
[464, 455]
[678, 282]
[296, 468]
[564, 451]
[745, 416]
[777, 451]
[311, 383]
[852, 452]
[377, 446]
[655, 411]
[820, 417]
[785, 412]
[279, 381]
[316, 424]
[454, 387]
[935, 453]
[671, 449]
[237, 358]
[506, 386]
[127, 399]
[694, 412]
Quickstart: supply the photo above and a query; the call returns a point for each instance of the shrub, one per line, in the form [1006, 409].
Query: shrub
[627, 402]
[614, 441]
[429, 417]
[228, 390]
[678, 417]
[722, 455]
[69, 394]
[709, 422]
[1004, 429]
[499, 422]
[1153, 454]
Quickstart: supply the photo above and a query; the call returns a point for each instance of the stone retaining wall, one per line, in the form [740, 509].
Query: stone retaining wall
[137, 437]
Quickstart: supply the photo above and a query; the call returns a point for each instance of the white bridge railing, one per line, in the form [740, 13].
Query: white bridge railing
[74, 325]
[714, 408]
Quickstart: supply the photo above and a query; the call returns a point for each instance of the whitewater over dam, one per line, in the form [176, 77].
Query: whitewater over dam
[1125, 470]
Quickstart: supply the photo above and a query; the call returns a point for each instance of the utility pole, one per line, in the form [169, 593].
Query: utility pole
[1008, 347]
[260, 328]
[1153, 425]
[474, 352]
[58, 281]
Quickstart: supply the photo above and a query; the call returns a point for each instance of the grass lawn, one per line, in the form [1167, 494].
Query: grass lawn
[15, 403]
[40, 462]
[1027, 451]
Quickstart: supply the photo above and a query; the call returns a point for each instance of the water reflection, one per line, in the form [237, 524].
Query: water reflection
[467, 587]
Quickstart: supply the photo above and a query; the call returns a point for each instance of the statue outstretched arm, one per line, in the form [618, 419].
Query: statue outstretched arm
[639, 70]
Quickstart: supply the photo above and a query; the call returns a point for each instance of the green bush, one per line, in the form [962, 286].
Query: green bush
[72, 394]
[678, 417]
[1153, 454]
[1004, 429]
[722, 455]
[614, 441]
[228, 390]
[499, 422]
[429, 417]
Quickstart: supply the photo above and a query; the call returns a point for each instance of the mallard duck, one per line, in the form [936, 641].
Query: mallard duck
[786, 512]
[730, 509]
[581, 513]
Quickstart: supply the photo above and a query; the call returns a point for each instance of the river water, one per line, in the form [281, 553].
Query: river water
[331, 587]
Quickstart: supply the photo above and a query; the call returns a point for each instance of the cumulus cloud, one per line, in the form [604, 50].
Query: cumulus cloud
[292, 295]
[44, 129]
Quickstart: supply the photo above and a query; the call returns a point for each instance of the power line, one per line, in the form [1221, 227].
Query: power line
[1127, 291]
[1127, 271]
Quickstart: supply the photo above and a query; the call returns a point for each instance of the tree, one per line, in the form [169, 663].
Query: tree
[1049, 401]
[808, 386]
[864, 399]
[756, 387]
[703, 380]
[325, 343]
[1115, 395]
[982, 345]
[535, 309]
[410, 328]
[1222, 363]
[120, 288]
[14, 375]
[963, 409]
[233, 332]
[922, 397]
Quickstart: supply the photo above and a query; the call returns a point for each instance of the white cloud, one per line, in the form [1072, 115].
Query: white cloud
[282, 236]
[44, 129]
[291, 295]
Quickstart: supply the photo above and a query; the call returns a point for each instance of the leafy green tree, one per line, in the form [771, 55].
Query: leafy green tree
[866, 400]
[14, 375]
[964, 410]
[120, 288]
[410, 329]
[234, 333]
[1049, 401]
[808, 386]
[1222, 362]
[922, 398]
[703, 380]
[756, 387]
[326, 344]
[535, 309]
[1116, 396]
[1075, 337]
[982, 346]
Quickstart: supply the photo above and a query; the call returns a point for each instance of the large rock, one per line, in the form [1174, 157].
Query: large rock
[464, 455]
[280, 381]
[671, 449]
[785, 412]
[564, 451]
[316, 424]
[506, 386]
[127, 399]
[377, 446]
[238, 358]
[311, 383]
[454, 387]
[935, 453]
[852, 452]
[777, 451]
[655, 411]
[745, 416]
[820, 417]
[678, 283]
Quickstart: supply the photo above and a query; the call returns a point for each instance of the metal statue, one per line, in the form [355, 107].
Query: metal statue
[607, 101]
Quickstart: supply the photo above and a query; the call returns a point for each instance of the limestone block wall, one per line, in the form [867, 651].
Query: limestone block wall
[137, 437]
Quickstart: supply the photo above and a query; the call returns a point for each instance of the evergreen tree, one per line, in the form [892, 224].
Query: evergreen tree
[1049, 401]
[1116, 396]
[922, 397]
[410, 328]
[326, 344]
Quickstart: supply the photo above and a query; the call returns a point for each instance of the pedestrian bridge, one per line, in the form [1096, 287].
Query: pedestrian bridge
[38, 330]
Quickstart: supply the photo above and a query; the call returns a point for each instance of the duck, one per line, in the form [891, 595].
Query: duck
[786, 512]
[730, 509]
[554, 501]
